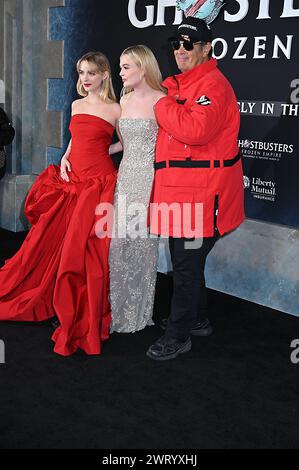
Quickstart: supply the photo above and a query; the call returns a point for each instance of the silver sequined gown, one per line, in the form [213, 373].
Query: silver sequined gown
[133, 262]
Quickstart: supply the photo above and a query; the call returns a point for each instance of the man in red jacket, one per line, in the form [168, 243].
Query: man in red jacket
[198, 178]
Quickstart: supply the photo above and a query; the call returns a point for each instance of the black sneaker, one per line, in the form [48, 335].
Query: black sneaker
[202, 328]
[168, 348]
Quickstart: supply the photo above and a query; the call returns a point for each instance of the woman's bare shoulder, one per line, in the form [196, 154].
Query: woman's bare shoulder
[160, 94]
[115, 109]
[115, 106]
[77, 104]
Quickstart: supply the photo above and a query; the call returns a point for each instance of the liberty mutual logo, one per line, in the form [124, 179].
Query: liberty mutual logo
[247, 182]
[260, 188]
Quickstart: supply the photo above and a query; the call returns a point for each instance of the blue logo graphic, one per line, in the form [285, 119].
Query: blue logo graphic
[206, 10]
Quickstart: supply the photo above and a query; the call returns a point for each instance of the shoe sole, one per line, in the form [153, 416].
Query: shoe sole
[204, 332]
[185, 349]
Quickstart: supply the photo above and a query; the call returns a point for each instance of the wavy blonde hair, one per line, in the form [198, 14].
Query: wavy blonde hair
[144, 58]
[101, 62]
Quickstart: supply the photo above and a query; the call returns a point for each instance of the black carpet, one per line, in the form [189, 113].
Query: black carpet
[235, 389]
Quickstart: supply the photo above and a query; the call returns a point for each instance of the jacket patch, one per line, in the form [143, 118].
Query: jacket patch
[203, 101]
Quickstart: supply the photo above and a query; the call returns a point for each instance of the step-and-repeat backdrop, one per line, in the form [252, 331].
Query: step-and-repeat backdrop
[257, 45]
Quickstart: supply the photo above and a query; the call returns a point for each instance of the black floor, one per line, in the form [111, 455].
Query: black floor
[235, 389]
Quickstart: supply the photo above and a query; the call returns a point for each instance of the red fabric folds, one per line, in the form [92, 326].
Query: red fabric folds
[62, 266]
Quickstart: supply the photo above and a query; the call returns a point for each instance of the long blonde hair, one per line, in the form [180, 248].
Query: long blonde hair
[144, 58]
[101, 62]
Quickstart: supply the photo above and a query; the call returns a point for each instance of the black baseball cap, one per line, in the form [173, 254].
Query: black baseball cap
[196, 29]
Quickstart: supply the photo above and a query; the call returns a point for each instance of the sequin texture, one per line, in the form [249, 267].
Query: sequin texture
[133, 262]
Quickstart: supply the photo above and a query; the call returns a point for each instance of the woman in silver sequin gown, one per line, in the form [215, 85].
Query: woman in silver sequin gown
[133, 253]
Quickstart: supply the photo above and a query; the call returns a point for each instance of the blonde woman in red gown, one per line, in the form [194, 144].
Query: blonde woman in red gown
[62, 267]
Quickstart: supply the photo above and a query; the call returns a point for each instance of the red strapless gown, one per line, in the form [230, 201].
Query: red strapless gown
[62, 266]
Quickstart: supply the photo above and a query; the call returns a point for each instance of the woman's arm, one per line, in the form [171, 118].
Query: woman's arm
[115, 148]
[65, 165]
[118, 147]
[68, 151]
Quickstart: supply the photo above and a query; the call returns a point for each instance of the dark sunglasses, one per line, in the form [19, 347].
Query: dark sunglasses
[187, 45]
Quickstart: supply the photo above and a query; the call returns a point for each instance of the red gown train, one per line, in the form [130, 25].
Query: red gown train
[62, 266]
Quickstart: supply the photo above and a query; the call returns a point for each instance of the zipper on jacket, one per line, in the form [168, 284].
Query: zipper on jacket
[178, 100]
[216, 211]
[177, 82]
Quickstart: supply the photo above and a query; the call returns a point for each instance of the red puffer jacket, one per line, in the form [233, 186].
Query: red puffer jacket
[197, 160]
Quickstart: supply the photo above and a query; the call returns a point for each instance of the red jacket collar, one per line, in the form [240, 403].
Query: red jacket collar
[192, 75]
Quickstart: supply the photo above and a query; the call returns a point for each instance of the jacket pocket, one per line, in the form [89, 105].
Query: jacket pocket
[183, 195]
[196, 178]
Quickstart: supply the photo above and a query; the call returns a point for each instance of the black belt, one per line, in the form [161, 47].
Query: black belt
[188, 163]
